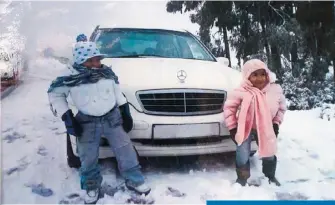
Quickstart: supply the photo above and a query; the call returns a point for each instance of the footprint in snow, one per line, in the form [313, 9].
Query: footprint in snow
[174, 192]
[76, 199]
[59, 133]
[329, 174]
[13, 169]
[22, 166]
[291, 196]
[7, 130]
[314, 156]
[10, 138]
[41, 190]
[42, 151]
[298, 181]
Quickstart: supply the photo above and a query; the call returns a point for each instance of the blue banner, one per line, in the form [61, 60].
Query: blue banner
[268, 202]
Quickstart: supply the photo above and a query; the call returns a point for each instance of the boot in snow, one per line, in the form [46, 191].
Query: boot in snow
[269, 170]
[275, 181]
[243, 174]
[140, 189]
[92, 196]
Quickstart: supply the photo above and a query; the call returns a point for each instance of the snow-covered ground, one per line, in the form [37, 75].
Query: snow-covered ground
[33, 142]
[33, 152]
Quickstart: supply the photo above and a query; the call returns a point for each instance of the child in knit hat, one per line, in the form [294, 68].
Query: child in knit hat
[102, 110]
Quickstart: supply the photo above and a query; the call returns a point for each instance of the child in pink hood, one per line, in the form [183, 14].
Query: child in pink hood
[255, 110]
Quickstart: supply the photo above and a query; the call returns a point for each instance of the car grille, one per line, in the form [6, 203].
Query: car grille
[181, 102]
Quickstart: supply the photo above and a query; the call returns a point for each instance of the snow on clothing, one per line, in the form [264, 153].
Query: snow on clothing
[259, 109]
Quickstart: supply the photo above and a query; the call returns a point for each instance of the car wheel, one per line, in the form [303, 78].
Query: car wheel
[138, 156]
[72, 160]
[141, 160]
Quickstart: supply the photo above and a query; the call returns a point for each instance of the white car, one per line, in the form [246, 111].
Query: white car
[175, 87]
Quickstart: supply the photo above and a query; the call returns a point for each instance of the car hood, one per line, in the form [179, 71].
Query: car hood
[161, 73]
[157, 73]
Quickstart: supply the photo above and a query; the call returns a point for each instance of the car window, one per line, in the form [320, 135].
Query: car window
[156, 43]
[195, 48]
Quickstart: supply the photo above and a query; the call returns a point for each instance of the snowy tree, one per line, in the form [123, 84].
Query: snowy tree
[295, 39]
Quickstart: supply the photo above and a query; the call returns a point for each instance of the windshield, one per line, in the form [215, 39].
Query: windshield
[121, 43]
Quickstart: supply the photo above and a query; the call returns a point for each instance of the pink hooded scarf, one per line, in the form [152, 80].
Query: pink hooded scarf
[254, 110]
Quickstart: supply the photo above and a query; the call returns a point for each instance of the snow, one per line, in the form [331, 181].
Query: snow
[330, 73]
[4, 8]
[34, 152]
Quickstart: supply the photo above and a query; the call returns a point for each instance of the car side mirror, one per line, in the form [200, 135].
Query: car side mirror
[223, 60]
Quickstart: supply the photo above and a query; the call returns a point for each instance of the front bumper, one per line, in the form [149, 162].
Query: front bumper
[159, 151]
[143, 131]
[225, 146]
[144, 123]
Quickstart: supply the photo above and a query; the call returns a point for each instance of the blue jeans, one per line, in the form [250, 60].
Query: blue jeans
[109, 125]
[244, 150]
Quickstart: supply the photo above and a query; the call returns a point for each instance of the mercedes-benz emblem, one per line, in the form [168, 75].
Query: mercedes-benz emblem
[181, 75]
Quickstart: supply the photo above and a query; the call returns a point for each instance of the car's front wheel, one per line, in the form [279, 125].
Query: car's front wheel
[72, 160]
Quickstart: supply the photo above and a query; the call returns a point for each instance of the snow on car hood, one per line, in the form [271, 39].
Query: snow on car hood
[161, 73]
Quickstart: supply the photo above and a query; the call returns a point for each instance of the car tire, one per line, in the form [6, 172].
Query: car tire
[138, 156]
[141, 160]
[72, 160]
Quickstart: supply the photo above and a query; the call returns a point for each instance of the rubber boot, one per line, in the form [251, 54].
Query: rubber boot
[269, 170]
[243, 174]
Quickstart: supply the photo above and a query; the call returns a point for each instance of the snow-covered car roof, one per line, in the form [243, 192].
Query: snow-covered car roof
[144, 27]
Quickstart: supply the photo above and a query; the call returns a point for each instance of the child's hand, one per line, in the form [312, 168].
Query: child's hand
[276, 129]
[232, 134]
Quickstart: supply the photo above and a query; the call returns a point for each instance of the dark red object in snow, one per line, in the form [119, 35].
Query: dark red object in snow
[9, 83]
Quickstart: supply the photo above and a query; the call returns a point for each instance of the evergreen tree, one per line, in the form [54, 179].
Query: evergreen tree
[296, 39]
